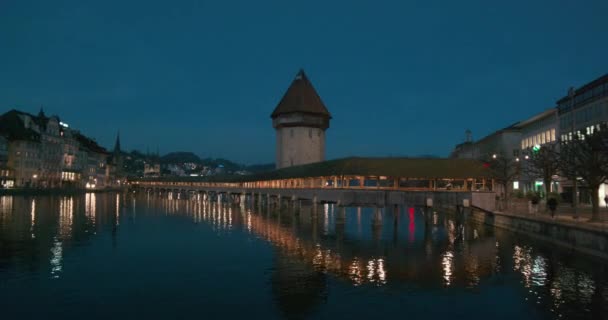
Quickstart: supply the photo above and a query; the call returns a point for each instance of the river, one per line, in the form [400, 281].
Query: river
[118, 256]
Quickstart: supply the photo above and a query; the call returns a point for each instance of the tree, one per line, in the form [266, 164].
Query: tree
[504, 170]
[586, 156]
[543, 163]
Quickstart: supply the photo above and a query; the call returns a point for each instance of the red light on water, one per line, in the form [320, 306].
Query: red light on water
[412, 225]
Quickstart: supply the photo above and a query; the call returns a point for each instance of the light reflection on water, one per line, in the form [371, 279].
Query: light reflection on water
[359, 247]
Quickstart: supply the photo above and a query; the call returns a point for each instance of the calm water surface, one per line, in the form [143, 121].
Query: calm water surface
[109, 256]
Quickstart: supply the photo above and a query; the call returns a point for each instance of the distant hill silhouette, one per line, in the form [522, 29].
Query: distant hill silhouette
[179, 157]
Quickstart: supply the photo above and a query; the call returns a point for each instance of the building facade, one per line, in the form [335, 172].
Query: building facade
[590, 104]
[300, 120]
[538, 131]
[44, 152]
[504, 142]
[151, 169]
[582, 111]
[515, 143]
[7, 179]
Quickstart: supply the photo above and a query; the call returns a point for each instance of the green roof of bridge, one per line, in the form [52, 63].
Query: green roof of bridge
[414, 168]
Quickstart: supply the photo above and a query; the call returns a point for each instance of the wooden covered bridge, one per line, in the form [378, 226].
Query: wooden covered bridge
[352, 181]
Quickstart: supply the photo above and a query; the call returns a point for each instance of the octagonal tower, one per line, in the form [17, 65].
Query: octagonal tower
[300, 120]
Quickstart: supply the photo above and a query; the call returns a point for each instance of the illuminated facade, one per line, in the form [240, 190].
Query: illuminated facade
[151, 170]
[43, 152]
[590, 108]
[6, 174]
[515, 142]
[300, 120]
[539, 131]
[590, 104]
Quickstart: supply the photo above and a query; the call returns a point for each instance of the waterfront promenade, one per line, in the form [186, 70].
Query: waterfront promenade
[563, 229]
[564, 215]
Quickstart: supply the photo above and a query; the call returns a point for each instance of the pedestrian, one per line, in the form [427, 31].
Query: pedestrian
[606, 200]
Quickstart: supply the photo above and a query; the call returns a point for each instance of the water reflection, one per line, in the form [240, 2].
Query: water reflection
[91, 206]
[390, 248]
[36, 233]
[66, 212]
[33, 218]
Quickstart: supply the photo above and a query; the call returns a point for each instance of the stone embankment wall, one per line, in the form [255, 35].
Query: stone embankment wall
[581, 237]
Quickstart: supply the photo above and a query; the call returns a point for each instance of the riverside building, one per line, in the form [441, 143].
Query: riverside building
[41, 151]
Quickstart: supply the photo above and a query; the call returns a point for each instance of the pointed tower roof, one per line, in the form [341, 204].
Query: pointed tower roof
[302, 97]
[41, 113]
[117, 144]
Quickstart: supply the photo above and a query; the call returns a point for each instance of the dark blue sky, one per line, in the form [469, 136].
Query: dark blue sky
[399, 77]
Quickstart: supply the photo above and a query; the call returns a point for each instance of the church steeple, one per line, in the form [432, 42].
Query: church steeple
[117, 144]
[117, 159]
[41, 113]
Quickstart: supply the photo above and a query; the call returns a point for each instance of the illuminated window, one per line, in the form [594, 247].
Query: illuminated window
[542, 138]
[552, 134]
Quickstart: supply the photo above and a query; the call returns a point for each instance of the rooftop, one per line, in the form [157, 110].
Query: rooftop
[592, 91]
[11, 126]
[301, 97]
[89, 144]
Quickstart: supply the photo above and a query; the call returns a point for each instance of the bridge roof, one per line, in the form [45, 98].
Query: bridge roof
[414, 168]
[301, 97]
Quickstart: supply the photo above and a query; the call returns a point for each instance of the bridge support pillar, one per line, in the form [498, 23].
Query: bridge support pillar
[377, 224]
[377, 219]
[341, 216]
[429, 202]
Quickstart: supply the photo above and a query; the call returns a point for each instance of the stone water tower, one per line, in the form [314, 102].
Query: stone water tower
[300, 120]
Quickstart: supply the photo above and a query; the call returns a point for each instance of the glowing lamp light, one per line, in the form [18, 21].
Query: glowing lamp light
[536, 148]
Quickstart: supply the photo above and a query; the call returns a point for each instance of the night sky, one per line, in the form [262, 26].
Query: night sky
[399, 77]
